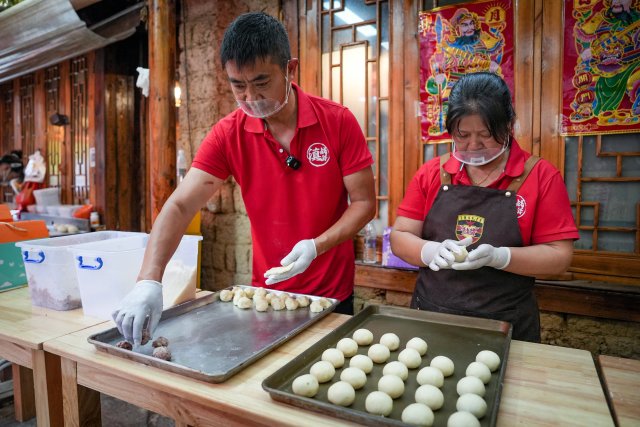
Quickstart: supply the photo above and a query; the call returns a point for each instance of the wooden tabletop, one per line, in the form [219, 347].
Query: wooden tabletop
[544, 385]
[622, 382]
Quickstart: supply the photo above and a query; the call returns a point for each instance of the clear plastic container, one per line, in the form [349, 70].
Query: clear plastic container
[369, 254]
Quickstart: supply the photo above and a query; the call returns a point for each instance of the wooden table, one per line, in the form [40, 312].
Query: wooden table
[544, 385]
[621, 378]
[23, 330]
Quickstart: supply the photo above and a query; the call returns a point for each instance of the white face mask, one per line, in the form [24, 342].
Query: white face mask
[263, 108]
[478, 157]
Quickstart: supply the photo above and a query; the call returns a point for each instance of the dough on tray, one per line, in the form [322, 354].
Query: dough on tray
[305, 385]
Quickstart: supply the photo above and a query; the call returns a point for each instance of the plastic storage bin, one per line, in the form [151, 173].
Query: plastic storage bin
[50, 267]
[47, 196]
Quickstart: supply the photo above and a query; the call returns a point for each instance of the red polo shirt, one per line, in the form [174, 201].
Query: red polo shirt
[286, 205]
[544, 212]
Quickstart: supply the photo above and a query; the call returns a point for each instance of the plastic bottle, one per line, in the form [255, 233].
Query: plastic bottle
[181, 166]
[369, 254]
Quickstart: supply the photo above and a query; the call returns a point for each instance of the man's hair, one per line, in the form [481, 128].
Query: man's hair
[487, 95]
[252, 36]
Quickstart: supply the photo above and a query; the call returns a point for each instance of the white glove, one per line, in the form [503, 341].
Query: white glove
[301, 256]
[485, 255]
[442, 255]
[144, 300]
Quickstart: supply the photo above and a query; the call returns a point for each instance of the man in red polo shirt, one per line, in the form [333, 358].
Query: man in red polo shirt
[302, 164]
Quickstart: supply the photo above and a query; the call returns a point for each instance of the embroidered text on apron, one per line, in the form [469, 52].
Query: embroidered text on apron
[485, 292]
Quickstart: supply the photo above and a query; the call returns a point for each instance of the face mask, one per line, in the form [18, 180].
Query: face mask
[478, 157]
[263, 108]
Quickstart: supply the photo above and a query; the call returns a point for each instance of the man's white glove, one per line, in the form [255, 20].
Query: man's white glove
[485, 255]
[442, 255]
[300, 256]
[144, 300]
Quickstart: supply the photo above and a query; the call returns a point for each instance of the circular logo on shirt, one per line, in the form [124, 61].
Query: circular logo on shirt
[318, 154]
[521, 206]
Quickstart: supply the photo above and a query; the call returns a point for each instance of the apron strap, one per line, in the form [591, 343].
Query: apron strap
[445, 177]
[528, 166]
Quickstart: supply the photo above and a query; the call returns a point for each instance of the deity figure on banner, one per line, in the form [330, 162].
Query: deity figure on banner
[608, 42]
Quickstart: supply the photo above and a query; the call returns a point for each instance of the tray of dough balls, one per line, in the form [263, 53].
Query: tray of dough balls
[396, 366]
[213, 337]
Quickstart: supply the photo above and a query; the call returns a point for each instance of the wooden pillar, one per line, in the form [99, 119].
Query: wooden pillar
[162, 112]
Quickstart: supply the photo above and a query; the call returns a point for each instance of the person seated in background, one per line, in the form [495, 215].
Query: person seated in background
[12, 170]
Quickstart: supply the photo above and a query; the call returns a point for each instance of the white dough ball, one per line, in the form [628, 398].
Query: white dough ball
[489, 358]
[354, 376]
[291, 303]
[305, 385]
[323, 371]
[430, 375]
[430, 395]
[347, 346]
[444, 364]
[244, 303]
[390, 340]
[316, 307]
[419, 344]
[379, 403]
[363, 337]
[460, 257]
[472, 403]
[471, 385]
[462, 419]
[226, 295]
[392, 385]
[379, 353]
[480, 370]
[363, 362]
[410, 357]
[261, 304]
[396, 368]
[418, 414]
[334, 356]
[303, 301]
[341, 393]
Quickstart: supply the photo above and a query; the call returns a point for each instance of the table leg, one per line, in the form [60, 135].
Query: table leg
[81, 404]
[46, 380]
[23, 393]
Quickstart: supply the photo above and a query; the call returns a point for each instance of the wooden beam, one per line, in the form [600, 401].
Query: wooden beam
[24, 400]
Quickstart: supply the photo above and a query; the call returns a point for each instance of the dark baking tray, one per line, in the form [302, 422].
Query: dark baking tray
[211, 340]
[458, 337]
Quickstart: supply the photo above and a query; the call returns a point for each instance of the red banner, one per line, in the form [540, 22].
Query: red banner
[456, 40]
[601, 68]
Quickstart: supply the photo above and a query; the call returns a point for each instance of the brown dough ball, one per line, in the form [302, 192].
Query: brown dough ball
[146, 336]
[124, 344]
[160, 342]
[162, 353]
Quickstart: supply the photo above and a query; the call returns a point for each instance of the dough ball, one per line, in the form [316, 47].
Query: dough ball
[362, 362]
[261, 304]
[244, 303]
[489, 358]
[323, 371]
[462, 419]
[354, 376]
[418, 414]
[472, 403]
[237, 295]
[269, 296]
[444, 364]
[396, 368]
[303, 301]
[379, 353]
[162, 353]
[378, 403]
[291, 304]
[325, 303]
[480, 370]
[160, 342]
[249, 292]
[390, 340]
[430, 375]
[124, 344]
[470, 385]
[146, 336]
[410, 357]
[226, 295]
[333, 356]
[460, 257]
[72, 228]
[348, 347]
[277, 304]
[278, 270]
[430, 395]
[341, 393]
[260, 292]
[363, 337]
[305, 385]
[61, 228]
[418, 344]
[316, 307]
[392, 385]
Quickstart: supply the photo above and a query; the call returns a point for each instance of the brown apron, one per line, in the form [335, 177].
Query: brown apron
[490, 215]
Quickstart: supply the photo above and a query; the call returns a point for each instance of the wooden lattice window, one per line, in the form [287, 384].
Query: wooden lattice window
[55, 134]
[6, 109]
[80, 129]
[27, 118]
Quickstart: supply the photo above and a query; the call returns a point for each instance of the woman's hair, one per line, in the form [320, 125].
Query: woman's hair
[14, 160]
[253, 36]
[487, 95]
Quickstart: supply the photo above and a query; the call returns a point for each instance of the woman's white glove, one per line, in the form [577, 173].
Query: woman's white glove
[442, 255]
[144, 300]
[485, 255]
[301, 256]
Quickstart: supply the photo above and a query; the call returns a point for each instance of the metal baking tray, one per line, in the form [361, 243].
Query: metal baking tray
[211, 340]
[458, 337]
